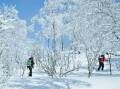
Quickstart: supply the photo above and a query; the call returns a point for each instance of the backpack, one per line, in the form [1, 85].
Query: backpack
[29, 62]
[101, 58]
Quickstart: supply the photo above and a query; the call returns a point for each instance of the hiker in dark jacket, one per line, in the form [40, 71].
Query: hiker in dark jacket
[30, 65]
[101, 59]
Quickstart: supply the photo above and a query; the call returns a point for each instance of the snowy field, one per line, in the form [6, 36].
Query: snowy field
[75, 80]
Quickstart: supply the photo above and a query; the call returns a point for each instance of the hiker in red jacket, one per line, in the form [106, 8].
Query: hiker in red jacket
[101, 59]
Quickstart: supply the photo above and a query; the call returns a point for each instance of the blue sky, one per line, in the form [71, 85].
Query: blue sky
[26, 8]
[116, 1]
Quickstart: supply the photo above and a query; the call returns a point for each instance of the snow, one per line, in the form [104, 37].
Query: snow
[75, 80]
[58, 20]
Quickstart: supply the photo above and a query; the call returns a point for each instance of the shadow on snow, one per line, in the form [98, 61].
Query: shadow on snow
[47, 83]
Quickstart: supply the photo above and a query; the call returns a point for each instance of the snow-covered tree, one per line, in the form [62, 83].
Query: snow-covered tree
[91, 25]
[13, 42]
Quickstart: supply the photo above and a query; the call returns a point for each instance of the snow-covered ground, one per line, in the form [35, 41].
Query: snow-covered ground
[75, 80]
